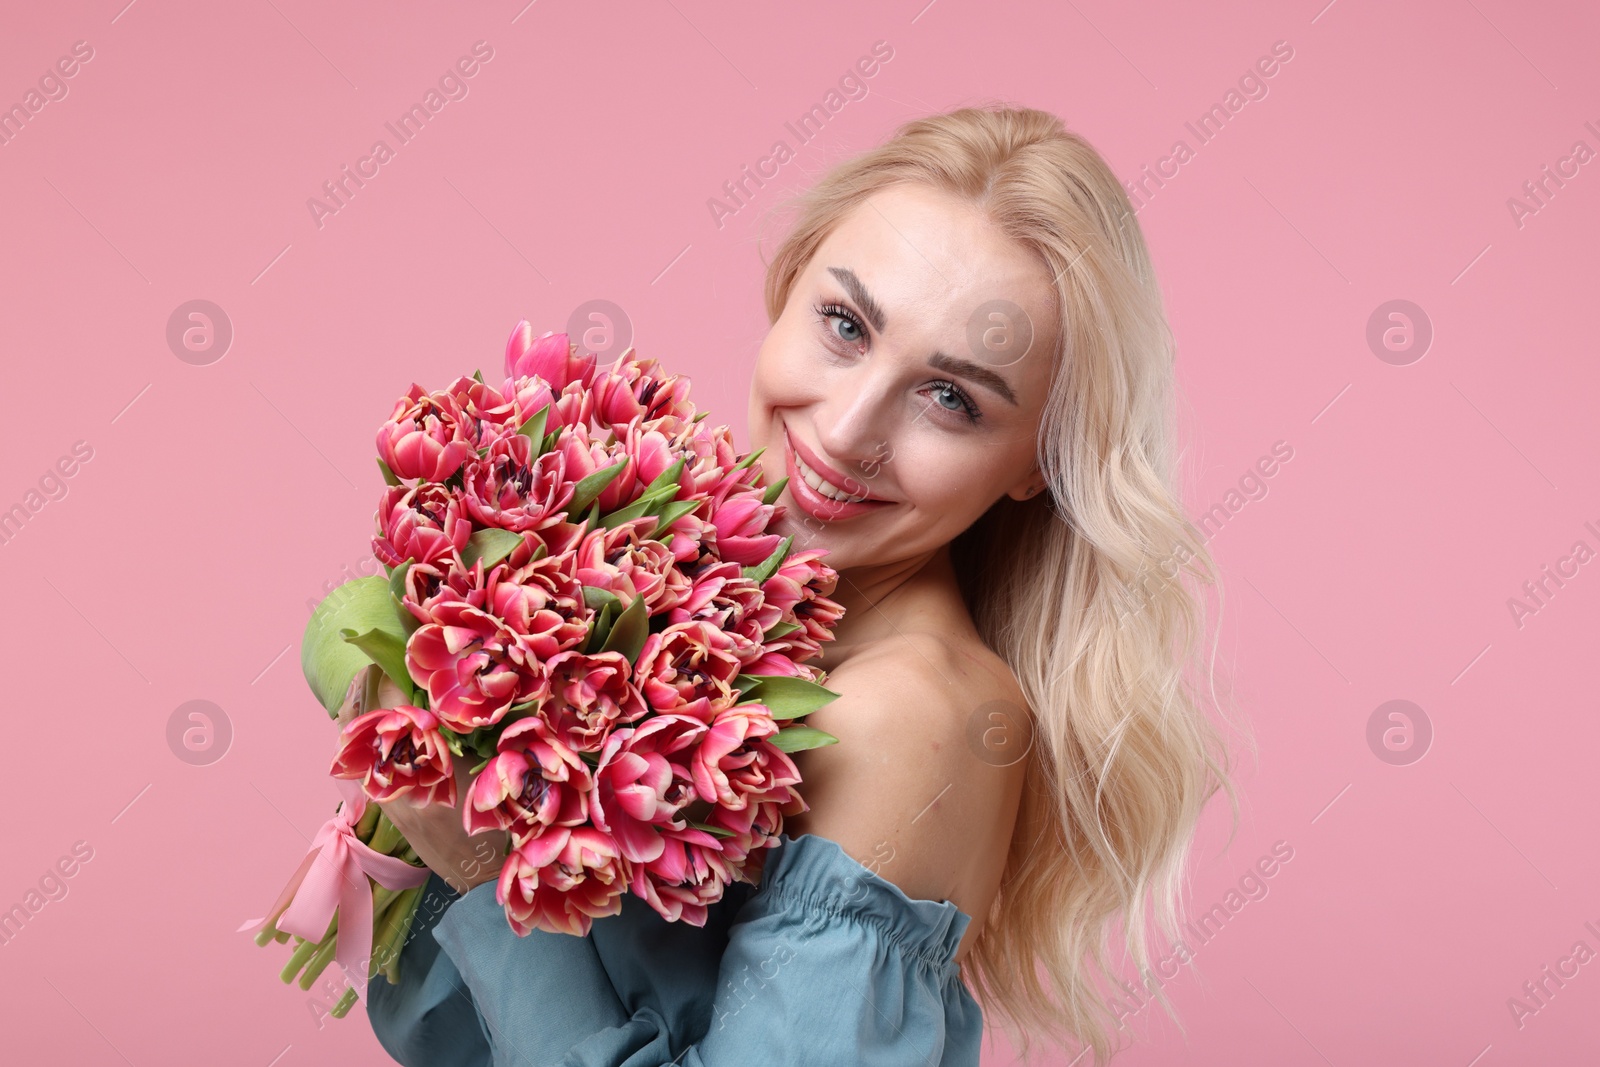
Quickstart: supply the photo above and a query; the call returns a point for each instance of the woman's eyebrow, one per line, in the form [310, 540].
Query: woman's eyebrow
[859, 294]
[976, 371]
[939, 360]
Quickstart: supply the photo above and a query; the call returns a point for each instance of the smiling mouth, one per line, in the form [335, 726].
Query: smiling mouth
[820, 484]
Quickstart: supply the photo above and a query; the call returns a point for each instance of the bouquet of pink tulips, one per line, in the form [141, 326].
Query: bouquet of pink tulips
[584, 601]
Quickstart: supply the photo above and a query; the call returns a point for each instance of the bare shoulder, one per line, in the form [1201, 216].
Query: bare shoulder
[920, 787]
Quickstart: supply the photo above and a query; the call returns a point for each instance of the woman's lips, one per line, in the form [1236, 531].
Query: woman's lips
[814, 503]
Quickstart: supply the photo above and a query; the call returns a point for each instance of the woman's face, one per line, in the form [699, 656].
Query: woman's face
[908, 369]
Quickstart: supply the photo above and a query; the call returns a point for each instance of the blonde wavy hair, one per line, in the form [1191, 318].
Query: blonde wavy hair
[1093, 593]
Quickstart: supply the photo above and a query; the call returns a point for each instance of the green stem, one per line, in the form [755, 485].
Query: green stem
[382, 899]
[368, 822]
[391, 970]
[302, 953]
[341, 1009]
[383, 937]
[386, 838]
[320, 961]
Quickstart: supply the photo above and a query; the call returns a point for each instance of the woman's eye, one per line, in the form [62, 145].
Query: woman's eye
[964, 404]
[839, 321]
[846, 330]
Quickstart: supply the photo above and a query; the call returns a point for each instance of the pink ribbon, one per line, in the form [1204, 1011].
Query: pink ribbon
[334, 876]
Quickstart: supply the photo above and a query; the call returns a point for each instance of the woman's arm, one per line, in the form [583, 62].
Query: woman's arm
[555, 984]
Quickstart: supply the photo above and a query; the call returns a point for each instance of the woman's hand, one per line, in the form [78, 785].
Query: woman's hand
[434, 830]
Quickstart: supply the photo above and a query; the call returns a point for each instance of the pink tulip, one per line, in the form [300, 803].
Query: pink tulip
[508, 489]
[754, 828]
[423, 524]
[623, 561]
[780, 659]
[660, 395]
[722, 597]
[685, 663]
[473, 666]
[735, 763]
[394, 752]
[533, 780]
[589, 696]
[422, 437]
[561, 879]
[652, 454]
[483, 413]
[551, 357]
[614, 403]
[691, 872]
[741, 521]
[542, 602]
[574, 409]
[642, 782]
[528, 397]
[800, 588]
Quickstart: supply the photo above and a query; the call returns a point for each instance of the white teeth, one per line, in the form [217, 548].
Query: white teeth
[818, 482]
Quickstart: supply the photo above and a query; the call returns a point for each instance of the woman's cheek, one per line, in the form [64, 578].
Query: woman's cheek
[952, 484]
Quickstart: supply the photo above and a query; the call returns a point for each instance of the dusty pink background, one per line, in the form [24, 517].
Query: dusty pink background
[1378, 566]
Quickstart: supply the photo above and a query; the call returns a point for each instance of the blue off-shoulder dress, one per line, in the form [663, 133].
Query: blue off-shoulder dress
[826, 962]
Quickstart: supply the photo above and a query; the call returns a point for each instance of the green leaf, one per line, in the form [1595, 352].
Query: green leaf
[328, 661]
[746, 682]
[490, 545]
[800, 738]
[387, 650]
[452, 741]
[481, 741]
[672, 513]
[588, 489]
[668, 477]
[717, 831]
[397, 592]
[478, 374]
[596, 598]
[482, 764]
[771, 495]
[751, 458]
[388, 475]
[767, 567]
[789, 697]
[638, 509]
[533, 429]
[600, 629]
[631, 628]
[593, 518]
[780, 629]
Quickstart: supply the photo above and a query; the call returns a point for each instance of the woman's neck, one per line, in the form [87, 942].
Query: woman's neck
[882, 601]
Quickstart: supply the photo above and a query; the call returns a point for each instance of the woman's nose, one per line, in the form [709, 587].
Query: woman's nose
[855, 423]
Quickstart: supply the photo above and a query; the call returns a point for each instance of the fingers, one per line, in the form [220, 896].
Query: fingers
[385, 693]
[354, 703]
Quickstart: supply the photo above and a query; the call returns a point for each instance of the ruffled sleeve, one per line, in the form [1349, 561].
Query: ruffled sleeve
[495, 998]
[827, 962]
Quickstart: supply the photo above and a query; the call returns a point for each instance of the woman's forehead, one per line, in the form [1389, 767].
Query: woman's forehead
[934, 258]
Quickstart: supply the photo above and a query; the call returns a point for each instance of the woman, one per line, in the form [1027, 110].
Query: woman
[968, 382]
